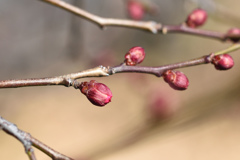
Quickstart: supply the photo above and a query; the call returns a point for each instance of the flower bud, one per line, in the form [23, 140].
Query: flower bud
[233, 34]
[176, 79]
[135, 9]
[97, 93]
[223, 62]
[196, 18]
[134, 56]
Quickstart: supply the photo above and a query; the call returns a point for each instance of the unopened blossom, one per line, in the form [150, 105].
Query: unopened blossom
[196, 18]
[176, 79]
[97, 93]
[134, 56]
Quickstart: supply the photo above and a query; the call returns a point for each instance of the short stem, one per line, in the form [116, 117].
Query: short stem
[230, 49]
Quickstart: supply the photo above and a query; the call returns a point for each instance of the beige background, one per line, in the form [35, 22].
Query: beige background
[39, 40]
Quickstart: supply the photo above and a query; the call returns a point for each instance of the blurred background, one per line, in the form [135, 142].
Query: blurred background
[146, 118]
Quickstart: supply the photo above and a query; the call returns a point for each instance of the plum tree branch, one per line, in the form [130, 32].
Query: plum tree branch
[149, 26]
[193, 31]
[12, 129]
[65, 80]
[102, 22]
[100, 71]
[28, 141]
[158, 71]
[47, 150]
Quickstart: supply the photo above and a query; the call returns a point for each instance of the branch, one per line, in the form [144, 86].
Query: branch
[158, 71]
[12, 129]
[28, 141]
[71, 79]
[65, 80]
[149, 26]
[193, 31]
[102, 22]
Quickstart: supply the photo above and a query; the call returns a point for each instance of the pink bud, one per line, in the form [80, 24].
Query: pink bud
[134, 56]
[135, 9]
[97, 93]
[234, 34]
[176, 79]
[196, 18]
[223, 62]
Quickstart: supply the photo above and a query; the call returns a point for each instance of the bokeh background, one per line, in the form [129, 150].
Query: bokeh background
[146, 118]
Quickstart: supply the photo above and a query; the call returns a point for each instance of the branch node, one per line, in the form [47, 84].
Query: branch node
[164, 30]
[103, 71]
[154, 27]
[208, 58]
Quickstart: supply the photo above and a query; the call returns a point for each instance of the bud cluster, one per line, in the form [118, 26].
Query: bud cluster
[97, 93]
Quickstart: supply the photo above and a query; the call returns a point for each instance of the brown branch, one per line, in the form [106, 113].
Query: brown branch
[102, 22]
[12, 129]
[70, 79]
[65, 80]
[150, 26]
[47, 150]
[158, 71]
[28, 141]
[193, 31]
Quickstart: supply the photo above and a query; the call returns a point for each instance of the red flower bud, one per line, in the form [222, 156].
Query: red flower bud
[196, 18]
[223, 62]
[176, 79]
[135, 9]
[134, 56]
[97, 93]
[234, 34]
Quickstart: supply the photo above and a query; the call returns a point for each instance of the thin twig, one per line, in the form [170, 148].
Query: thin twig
[150, 26]
[193, 31]
[12, 129]
[28, 141]
[232, 48]
[47, 150]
